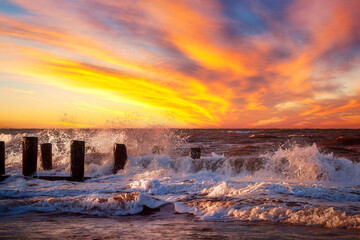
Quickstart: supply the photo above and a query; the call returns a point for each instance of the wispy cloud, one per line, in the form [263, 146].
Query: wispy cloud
[20, 91]
[266, 122]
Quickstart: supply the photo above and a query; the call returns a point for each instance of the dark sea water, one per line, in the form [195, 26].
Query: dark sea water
[248, 184]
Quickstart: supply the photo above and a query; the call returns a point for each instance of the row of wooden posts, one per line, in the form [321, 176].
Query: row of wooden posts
[77, 158]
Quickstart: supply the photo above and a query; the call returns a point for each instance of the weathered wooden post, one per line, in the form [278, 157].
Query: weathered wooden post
[29, 158]
[2, 158]
[46, 156]
[77, 160]
[120, 157]
[157, 150]
[195, 153]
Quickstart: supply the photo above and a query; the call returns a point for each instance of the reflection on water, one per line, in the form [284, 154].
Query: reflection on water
[179, 226]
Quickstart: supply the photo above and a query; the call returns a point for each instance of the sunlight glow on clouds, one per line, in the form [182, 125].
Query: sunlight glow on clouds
[182, 63]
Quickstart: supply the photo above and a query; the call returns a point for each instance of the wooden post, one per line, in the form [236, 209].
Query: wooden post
[77, 156]
[157, 150]
[46, 156]
[29, 158]
[195, 153]
[120, 157]
[2, 158]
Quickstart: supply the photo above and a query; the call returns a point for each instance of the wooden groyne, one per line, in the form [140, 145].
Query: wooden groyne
[29, 157]
[2, 158]
[2, 161]
[77, 159]
[195, 153]
[46, 156]
[120, 157]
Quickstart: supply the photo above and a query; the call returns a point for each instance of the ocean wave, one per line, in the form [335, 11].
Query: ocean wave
[328, 217]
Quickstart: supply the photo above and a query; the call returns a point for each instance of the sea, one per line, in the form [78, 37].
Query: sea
[247, 184]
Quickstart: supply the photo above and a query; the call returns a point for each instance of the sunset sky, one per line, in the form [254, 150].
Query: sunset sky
[183, 63]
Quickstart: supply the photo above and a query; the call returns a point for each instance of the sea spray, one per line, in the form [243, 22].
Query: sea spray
[297, 163]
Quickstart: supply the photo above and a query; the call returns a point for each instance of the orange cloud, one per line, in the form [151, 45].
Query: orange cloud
[123, 88]
[200, 65]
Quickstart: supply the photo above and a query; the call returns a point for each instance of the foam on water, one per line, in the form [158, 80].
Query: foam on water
[293, 184]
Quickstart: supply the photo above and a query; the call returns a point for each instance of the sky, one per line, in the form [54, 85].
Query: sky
[180, 64]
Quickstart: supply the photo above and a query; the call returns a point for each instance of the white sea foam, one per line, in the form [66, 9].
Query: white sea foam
[308, 164]
[91, 204]
[328, 217]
